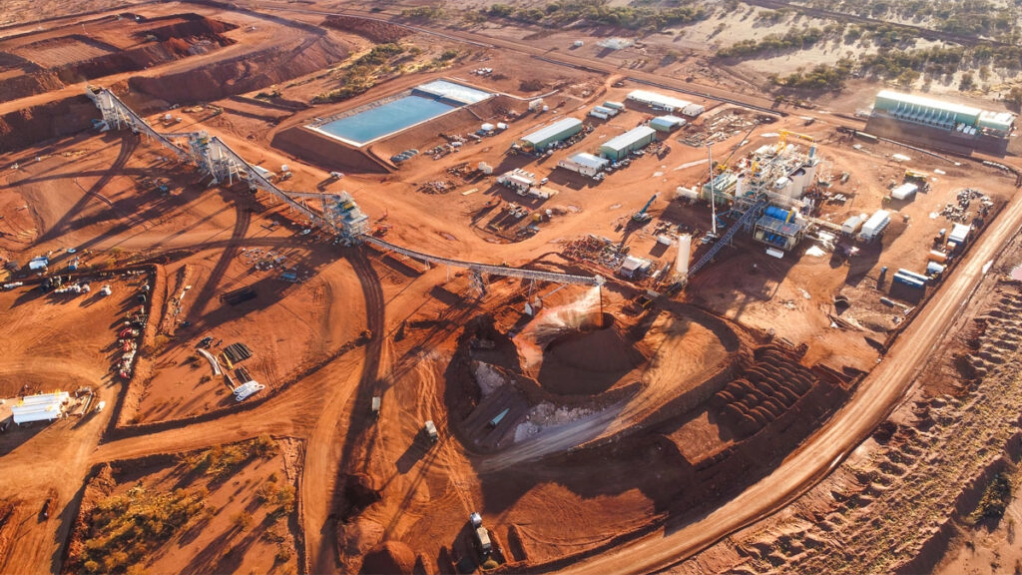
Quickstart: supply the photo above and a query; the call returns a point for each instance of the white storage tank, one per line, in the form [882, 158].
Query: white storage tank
[684, 254]
[739, 186]
[798, 183]
[784, 186]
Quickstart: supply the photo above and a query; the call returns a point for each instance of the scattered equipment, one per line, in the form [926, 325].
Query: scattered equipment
[247, 389]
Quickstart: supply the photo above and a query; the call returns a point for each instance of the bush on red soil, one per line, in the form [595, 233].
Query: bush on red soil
[195, 26]
[379, 32]
[240, 75]
[391, 557]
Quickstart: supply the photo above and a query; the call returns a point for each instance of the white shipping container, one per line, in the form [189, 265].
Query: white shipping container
[876, 224]
[851, 225]
[693, 110]
[904, 191]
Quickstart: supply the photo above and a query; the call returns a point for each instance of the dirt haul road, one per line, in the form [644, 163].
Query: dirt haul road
[875, 398]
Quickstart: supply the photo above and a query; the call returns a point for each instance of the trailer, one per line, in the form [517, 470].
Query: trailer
[904, 191]
[959, 233]
[431, 432]
[377, 402]
[247, 389]
[909, 281]
[914, 275]
[875, 226]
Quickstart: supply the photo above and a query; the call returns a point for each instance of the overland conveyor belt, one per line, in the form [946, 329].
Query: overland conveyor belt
[256, 179]
[488, 268]
[134, 120]
[218, 151]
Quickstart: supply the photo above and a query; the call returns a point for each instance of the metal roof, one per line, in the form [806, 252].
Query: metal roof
[667, 121]
[552, 130]
[959, 233]
[590, 161]
[998, 120]
[453, 91]
[629, 138]
[648, 97]
[928, 102]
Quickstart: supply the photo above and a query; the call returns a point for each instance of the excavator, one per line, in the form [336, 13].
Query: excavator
[642, 216]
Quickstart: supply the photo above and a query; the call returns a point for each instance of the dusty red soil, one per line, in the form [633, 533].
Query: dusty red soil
[379, 32]
[556, 480]
[51, 60]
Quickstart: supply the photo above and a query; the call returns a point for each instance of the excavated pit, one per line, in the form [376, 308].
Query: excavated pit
[51, 63]
[590, 360]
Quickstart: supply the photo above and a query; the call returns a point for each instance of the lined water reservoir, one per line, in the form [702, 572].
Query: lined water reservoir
[384, 117]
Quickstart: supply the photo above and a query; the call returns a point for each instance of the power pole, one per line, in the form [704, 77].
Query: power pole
[713, 192]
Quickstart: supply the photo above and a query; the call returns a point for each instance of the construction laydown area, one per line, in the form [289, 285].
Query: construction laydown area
[293, 290]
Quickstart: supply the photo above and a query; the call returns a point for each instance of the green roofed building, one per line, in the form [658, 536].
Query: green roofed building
[940, 124]
[925, 111]
[558, 131]
[618, 148]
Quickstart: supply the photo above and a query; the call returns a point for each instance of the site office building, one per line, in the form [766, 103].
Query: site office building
[559, 131]
[618, 148]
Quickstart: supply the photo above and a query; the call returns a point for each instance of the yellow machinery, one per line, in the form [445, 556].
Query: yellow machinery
[783, 140]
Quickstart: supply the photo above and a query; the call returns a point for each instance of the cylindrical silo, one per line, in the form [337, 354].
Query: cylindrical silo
[684, 254]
